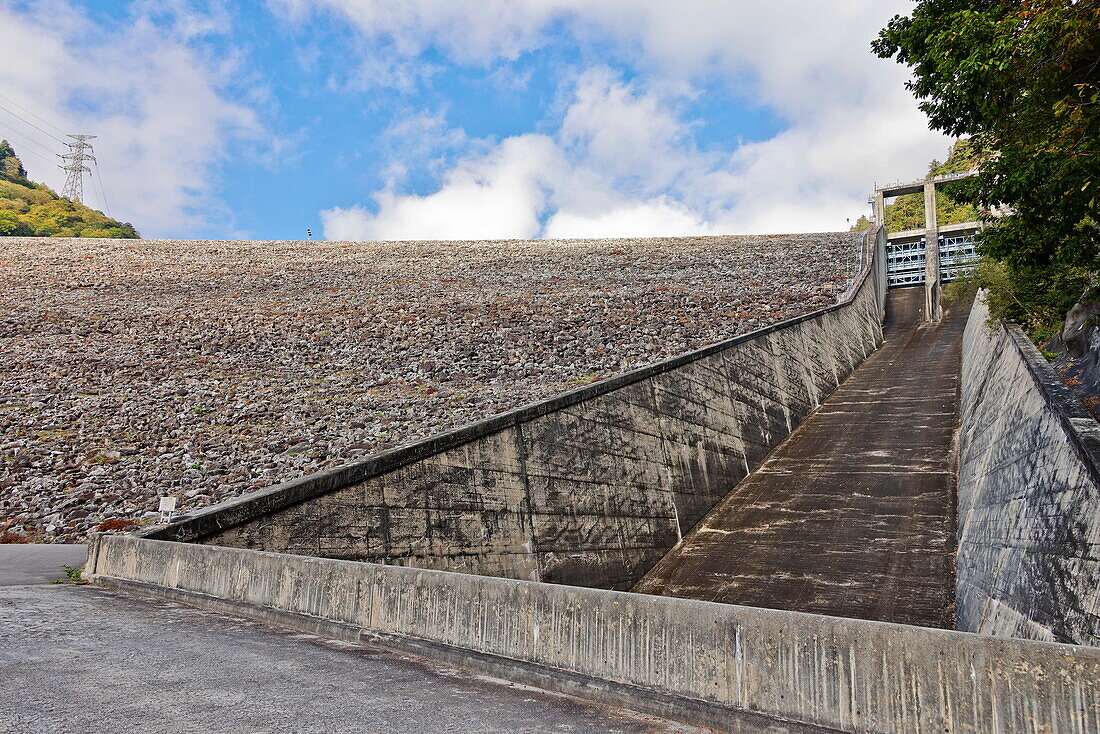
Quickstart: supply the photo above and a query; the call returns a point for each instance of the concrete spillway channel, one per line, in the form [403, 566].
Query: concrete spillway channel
[834, 547]
[853, 514]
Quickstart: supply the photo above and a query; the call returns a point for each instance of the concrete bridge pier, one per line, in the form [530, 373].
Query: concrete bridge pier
[932, 308]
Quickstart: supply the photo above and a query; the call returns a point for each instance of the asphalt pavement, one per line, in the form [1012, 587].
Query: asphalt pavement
[78, 658]
[38, 563]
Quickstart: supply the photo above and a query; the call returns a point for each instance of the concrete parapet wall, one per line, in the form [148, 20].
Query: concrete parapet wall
[1029, 494]
[738, 669]
[590, 488]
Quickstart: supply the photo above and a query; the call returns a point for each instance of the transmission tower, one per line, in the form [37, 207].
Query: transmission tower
[79, 152]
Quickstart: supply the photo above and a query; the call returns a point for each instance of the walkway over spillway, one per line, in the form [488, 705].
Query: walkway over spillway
[851, 516]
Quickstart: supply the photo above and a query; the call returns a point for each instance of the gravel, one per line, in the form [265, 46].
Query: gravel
[136, 368]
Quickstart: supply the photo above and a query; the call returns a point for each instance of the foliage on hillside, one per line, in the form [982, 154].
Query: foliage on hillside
[862, 224]
[1021, 78]
[33, 210]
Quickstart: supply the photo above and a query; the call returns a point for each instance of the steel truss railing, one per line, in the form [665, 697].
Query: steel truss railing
[905, 261]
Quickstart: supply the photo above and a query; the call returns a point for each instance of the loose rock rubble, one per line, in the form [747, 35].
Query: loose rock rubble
[137, 368]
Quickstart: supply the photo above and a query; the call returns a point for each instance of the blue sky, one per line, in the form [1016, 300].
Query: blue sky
[422, 119]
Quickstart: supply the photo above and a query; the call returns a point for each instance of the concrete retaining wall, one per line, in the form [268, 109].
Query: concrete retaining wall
[738, 669]
[1029, 494]
[590, 488]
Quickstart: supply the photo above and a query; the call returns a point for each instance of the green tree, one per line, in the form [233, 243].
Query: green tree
[12, 225]
[1022, 79]
[11, 168]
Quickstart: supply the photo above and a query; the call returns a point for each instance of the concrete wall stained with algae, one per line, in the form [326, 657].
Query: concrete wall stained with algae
[1029, 494]
[590, 488]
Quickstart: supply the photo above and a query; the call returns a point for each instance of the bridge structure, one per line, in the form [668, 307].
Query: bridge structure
[931, 256]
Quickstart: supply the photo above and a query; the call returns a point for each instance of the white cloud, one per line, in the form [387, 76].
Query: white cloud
[495, 196]
[590, 175]
[157, 102]
[426, 139]
[659, 217]
[471, 32]
[627, 133]
[628, 146]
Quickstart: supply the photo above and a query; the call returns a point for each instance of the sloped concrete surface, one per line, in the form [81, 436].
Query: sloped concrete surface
[587, 493]
[1029, 494]
[81, 659]
[852, 516]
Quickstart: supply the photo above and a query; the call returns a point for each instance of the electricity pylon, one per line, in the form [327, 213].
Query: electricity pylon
[79, 152]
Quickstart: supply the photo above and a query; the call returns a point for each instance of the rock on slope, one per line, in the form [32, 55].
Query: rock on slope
[132, 368]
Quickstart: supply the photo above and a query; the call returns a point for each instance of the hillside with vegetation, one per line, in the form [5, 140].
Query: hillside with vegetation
[907, 212]
[32, 209]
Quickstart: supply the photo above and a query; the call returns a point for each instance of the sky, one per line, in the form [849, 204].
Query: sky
[464, 119]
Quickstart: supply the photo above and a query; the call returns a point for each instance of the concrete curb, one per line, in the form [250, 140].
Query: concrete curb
[636, 698]
[734, 668]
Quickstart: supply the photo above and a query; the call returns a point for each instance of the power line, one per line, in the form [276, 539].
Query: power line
[79, 153]
[19, 126]
[37, 117]
[26, 140]
[99, 177]
[102, 192]
[40, 157]
[27, 149]
[47, 132]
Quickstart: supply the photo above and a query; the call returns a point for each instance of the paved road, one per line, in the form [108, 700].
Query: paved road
[38, 563]
[852, 515]
[81, 659]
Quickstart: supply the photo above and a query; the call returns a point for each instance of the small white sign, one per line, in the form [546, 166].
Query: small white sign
[167, 508]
